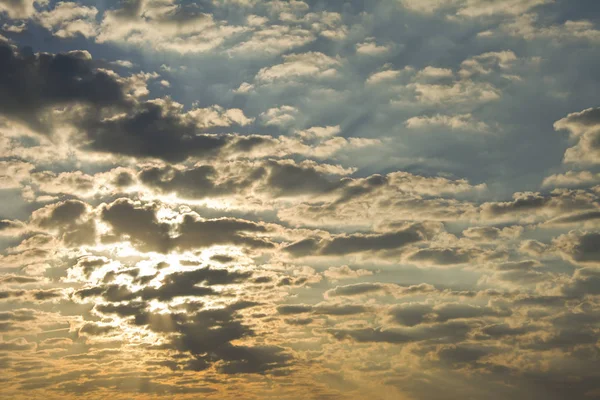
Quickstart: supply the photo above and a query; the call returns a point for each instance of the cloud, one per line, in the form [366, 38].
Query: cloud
[52, 80]
[446, 330]
[67, 20]
[537, 205]
[579, 247]
[529, 27]
[584, 127]
[297, 68]
[377, 288]
[572, 179]
[323, 309]
[167, 27]
[473, 8]
[370, 48]
[140, 225]
[71, 219]
[491, 233]
[14, 172]
[345, 272]
[20, 8]
[359, 243]
[464, 122]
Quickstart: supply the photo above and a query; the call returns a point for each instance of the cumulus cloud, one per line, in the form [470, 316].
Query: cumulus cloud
[584, 128]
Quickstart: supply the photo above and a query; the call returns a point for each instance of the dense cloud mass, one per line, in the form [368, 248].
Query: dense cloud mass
[300, 199]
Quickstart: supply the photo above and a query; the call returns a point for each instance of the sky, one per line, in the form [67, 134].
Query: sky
[323, 200]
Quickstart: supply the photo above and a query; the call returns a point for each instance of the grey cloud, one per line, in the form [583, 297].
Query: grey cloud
[560, 202]
[585, 281]
[186, 283]
[11, 279]
[197, 182]
[576, 218]
[522, 202]
[444, 256]
[18, 315]
[32, 82]
[322, 309]
[294, 309]
[374, 242]
[449, 331]
[357, 289]
[152, 129]
[139, 223]
[413, 314]
[96, 329]
[581, 247]
[47, 294]
[177, 284]
[71, 219]
[501, 330]
[289, 179]
[194, 233]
